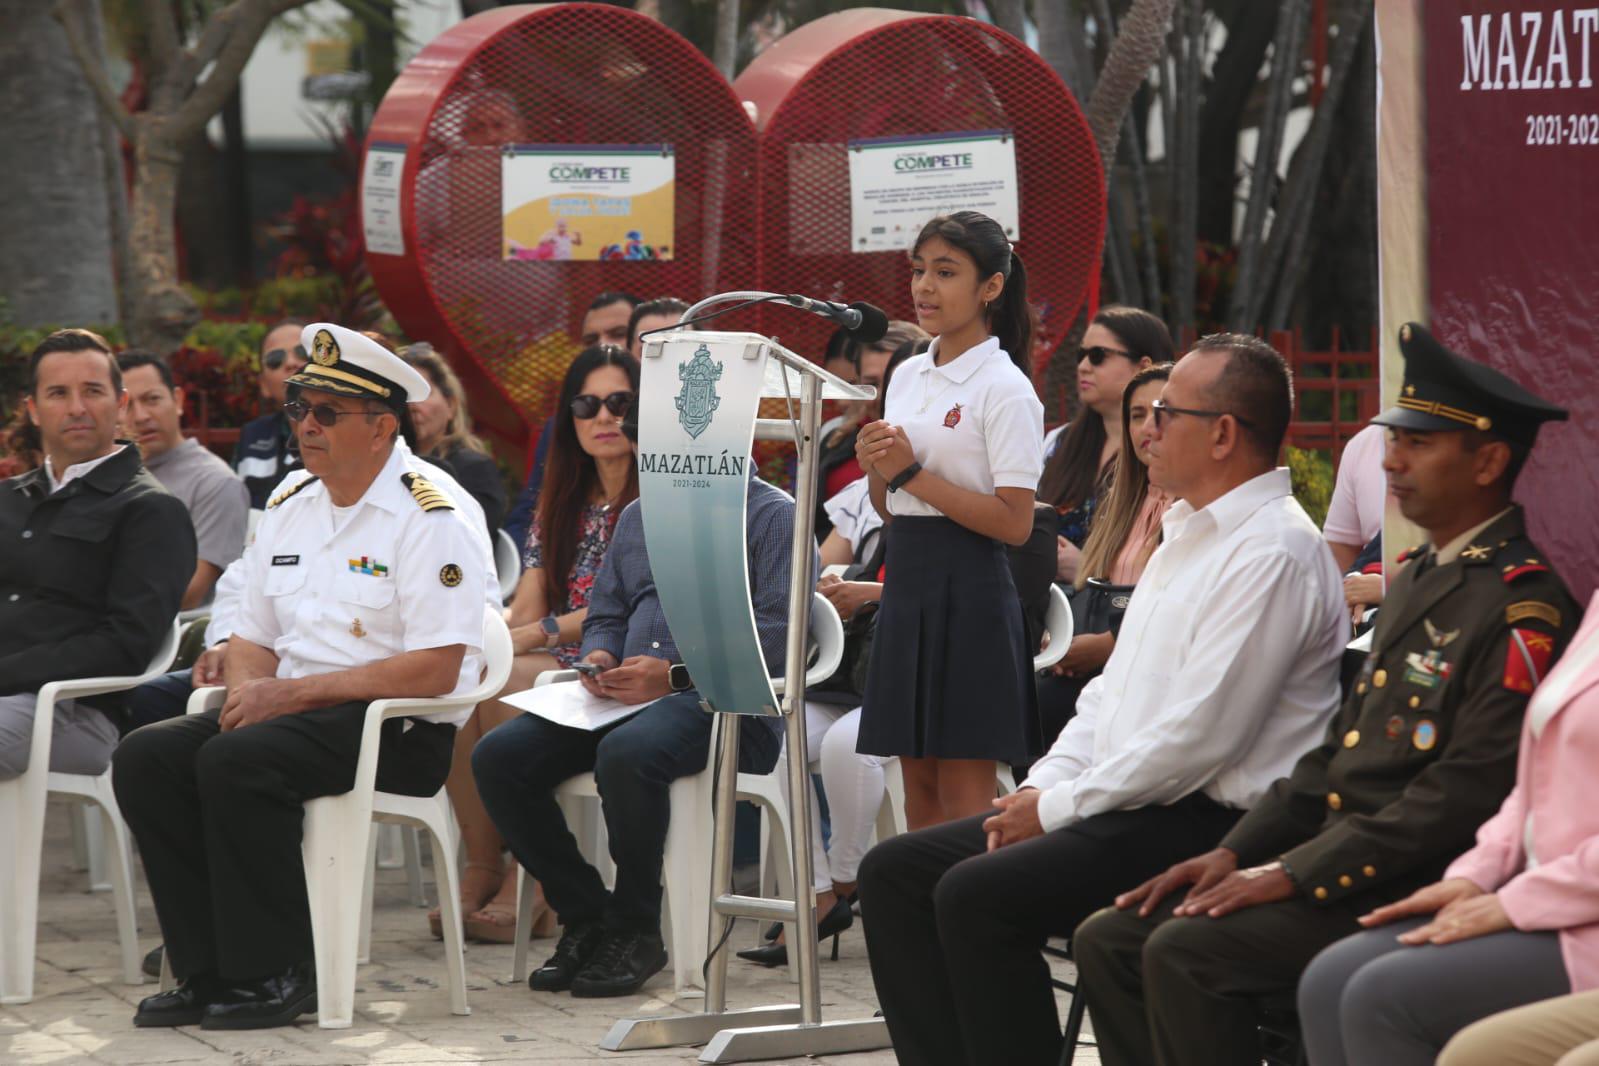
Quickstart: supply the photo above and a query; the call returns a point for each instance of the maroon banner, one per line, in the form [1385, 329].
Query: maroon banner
[1513, 232]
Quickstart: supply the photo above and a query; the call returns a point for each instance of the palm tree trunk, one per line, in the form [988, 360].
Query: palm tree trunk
[725, 54]
[1268, 147]
[1182, 164]
[1010, 16]
[1137, 46]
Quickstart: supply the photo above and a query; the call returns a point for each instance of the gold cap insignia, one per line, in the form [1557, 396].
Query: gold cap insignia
[324, 349]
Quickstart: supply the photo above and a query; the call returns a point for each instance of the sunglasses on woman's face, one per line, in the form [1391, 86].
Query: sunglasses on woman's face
[587, 406]
[274, 359]
[1098, 354]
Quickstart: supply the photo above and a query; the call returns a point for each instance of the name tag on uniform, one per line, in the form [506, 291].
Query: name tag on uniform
[285, 560]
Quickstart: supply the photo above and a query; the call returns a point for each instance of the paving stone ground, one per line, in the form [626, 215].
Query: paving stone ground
[81, 1011]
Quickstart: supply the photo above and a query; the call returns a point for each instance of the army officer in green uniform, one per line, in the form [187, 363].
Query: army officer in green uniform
[1422, 751]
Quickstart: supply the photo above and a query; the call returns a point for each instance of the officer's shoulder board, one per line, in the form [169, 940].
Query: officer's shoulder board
[1411, 553]
[427, 495]
[290, 491]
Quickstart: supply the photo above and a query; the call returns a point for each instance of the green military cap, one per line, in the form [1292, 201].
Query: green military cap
[1445, 391]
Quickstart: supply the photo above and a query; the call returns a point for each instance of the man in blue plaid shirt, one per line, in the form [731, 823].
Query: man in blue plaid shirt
[611, 940]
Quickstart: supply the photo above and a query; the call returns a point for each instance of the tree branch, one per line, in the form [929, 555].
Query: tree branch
[165, 47]
[92, 68]
[241, 25]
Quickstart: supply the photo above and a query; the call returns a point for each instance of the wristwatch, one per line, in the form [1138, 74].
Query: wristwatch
[552, 630]
[677, 677]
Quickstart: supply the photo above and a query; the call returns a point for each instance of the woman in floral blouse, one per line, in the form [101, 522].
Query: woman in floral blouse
[590, 477]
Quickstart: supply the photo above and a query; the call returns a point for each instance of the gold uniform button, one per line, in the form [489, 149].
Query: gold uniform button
[1370, 871]
[1380, 678]
[1321, 893]
[1346, 880]
[1335, 801]
[1360, 689]
[1415, 701]
[1351, 738]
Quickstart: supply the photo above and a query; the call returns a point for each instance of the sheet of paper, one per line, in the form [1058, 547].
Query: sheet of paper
[568, 703]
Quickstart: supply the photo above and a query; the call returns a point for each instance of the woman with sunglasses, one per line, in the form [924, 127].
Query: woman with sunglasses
[1119, 342]
[444, 434]
[589, 478]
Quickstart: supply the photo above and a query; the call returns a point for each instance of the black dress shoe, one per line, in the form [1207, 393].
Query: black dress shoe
[572, 952]
[834, 922]
[623, 962]
[152, 961]
[264, 1002]
[184, 1005]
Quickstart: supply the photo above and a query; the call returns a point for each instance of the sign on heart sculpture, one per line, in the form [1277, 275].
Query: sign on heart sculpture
[532, 157]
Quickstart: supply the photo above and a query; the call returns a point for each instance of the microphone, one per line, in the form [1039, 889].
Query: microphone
[862, 321]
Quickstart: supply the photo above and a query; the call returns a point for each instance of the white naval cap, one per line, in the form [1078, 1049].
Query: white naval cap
[350, 364]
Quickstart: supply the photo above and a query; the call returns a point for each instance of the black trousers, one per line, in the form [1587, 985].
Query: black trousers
[954, 932]
[218, 819]
[1179, 991]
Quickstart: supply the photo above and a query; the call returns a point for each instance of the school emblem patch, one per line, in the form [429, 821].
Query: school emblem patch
[952, 418]
[697, 400]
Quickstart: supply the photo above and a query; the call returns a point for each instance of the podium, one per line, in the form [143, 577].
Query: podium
[698, 409]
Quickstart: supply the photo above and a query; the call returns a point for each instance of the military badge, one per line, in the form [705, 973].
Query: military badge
[952, 417]
[356, 629]
[324, 348]
[1439, 638]
[1395, 727]
[697, 400]
[1425, 735]
[370, 567]
[1527, 659]
[1428, 671]
[450, 575]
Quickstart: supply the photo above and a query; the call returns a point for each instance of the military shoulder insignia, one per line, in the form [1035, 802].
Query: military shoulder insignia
[1517, 570]
[450, 575]
[1410, 553]
[1544, 612]
[290, 491]
[427, 495]
[1477, 553]
[1527, 659]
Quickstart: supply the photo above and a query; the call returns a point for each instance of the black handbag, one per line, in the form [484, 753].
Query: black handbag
[846, 684]
[1098, 607]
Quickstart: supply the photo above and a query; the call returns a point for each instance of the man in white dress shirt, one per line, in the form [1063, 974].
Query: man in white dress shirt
[1225, 673]
[364, 582]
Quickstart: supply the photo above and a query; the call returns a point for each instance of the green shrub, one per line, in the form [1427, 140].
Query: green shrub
[1312, 476]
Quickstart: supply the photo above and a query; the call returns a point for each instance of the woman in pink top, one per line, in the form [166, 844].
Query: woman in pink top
[1515, 920]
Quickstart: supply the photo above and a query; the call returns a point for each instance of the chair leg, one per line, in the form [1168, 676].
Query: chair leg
[363, 949]
[94, 844]
[524, 924]
[119, 850]
[80, 843]
[409, 839]
[448, 885]
[335, 848]
[22, 837]
[168, 981]
[687, 870]
[1074, 1025]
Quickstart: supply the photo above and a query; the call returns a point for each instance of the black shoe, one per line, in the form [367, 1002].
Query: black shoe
[624, 961]
[264, 1002]
[775, 930]
[152, 962]
[834, 922]
[572, 952]
[184, 1005]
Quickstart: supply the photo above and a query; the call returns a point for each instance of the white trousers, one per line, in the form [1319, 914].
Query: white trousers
[854, 786]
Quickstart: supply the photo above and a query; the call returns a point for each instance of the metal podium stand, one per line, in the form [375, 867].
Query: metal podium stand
[790, 1029]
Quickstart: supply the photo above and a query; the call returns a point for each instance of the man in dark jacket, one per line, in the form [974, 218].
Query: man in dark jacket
[94, 557]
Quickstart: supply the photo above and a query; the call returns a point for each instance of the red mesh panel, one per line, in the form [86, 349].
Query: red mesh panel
[576, 74]
[874, 73]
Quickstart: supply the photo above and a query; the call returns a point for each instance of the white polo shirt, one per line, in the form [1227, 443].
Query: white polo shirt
[975, 422]
[333, 589]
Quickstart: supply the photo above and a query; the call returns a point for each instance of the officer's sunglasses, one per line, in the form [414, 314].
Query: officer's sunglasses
[1163, 412]
[1098, 354]
[274, 359]
[588, 406]
[325, 413]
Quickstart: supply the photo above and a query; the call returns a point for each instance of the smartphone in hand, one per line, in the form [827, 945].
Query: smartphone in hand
[589, 670]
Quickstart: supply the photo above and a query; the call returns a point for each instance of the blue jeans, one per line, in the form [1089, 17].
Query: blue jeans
[156, 701]
[635, 761]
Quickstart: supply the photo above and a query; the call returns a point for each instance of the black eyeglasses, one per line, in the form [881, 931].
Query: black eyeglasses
[274, 359]
[1098, 354]
[1163, 411]
[325, 413]
[587, 406]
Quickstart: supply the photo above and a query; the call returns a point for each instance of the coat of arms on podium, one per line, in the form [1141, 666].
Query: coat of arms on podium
[697, 400]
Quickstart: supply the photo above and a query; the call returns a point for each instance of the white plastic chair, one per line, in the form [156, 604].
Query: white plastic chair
[22, 804]
[1058, 626]
[507, 564]
[686, 869]
[338, 831]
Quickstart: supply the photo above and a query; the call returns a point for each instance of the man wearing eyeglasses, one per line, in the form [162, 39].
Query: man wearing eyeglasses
[1226, 670]
[265, 451]
[364, 582]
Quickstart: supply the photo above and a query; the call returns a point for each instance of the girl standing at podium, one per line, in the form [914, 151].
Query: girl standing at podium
[954, 467]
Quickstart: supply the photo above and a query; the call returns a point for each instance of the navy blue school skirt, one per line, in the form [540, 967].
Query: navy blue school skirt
[951, 676]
